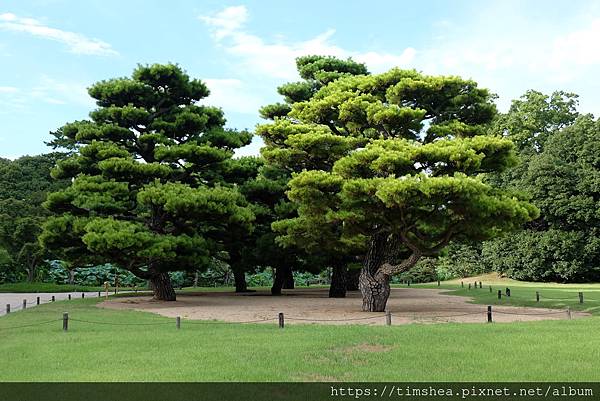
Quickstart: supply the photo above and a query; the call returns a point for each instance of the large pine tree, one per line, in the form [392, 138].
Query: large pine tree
[404, 156]
[146, 170]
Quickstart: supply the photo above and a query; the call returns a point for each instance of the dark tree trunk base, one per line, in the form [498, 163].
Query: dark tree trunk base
[288, 279]
[277, 282]
[162, 287]
[352, 279]
[240, 281]
[337, 289]
[375, 290]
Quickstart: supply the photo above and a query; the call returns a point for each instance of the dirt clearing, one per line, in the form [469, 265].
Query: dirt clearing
[407, 305]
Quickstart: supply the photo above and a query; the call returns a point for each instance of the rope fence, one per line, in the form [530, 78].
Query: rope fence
[415, 315]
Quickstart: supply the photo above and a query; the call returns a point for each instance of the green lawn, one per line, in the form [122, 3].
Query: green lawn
[203, 351]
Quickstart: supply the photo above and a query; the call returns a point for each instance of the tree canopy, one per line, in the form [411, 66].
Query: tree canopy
[147, 171]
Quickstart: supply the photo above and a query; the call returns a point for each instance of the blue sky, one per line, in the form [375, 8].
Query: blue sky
[51, 50]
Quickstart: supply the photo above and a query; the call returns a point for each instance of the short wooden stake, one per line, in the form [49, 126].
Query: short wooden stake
[489, 313]
[37, 301]
[469, 285]
[490, 288]
[507, 292]
[24, 304]
[462, 284]
[98, 294]
[7, 309]
[178, 322]
[83, 295]
[537, 296]
[388, 318]
[499, 294]
[69, 297]
[53, 299]
[409, 283]
[581, 297]
[480, 285]
[281, 321]
[568, 313]
[65, 321]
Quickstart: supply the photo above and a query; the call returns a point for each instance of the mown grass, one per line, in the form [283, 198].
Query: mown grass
[208, 351]
[552, 295]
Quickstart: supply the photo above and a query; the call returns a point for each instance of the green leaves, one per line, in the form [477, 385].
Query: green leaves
[149, 174]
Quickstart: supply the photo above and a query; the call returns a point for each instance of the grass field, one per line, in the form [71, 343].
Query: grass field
[138, 346]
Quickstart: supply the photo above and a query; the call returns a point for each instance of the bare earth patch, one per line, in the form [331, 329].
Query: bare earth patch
[408, 305]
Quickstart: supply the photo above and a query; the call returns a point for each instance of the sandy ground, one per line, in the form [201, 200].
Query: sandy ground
[407, 305]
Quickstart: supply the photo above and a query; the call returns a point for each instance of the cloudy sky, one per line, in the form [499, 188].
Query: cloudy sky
[52, 50]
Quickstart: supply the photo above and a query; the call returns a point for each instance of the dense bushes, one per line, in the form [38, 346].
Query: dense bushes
[553, 255]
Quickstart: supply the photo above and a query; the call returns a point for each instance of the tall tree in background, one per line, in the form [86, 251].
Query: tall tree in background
[24, 185]
[410, 179]
[291, 148]
[146, 171]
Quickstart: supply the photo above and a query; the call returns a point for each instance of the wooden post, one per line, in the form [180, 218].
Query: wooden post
[507, 292]
[65, 321]
[388, 318]
[490, 288]
[469, 285]
[537, 296]
[462, 284]
[82, 295]
[569, 313]
[438, 283]
[99, 294]
[489, 313]
[7, 309]
[178, 322]
[409, 283]
[37, 301]
[53, 299]
[480, 285]
[281, 321]
[69, 297]
[24, 304]
[499, 294]
[581, 297]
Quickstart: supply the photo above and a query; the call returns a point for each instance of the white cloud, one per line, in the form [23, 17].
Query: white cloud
[76, 42]
[8, 89]
[47, 90]
[232, 95]
[277, 59]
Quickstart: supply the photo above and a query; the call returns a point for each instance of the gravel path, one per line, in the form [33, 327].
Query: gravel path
[16, 299]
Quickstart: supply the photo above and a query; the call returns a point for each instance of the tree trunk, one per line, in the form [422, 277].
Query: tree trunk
[352, 279]
[240, 281]
[374, 280]
[337, 288]
[288, 279]
[375, 290]
[277, 281]
[162, 287]
[71, 276]
[195, 279]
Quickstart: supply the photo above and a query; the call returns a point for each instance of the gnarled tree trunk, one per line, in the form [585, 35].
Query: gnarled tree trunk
[162, 287]
[374, 280]
[337, 288]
